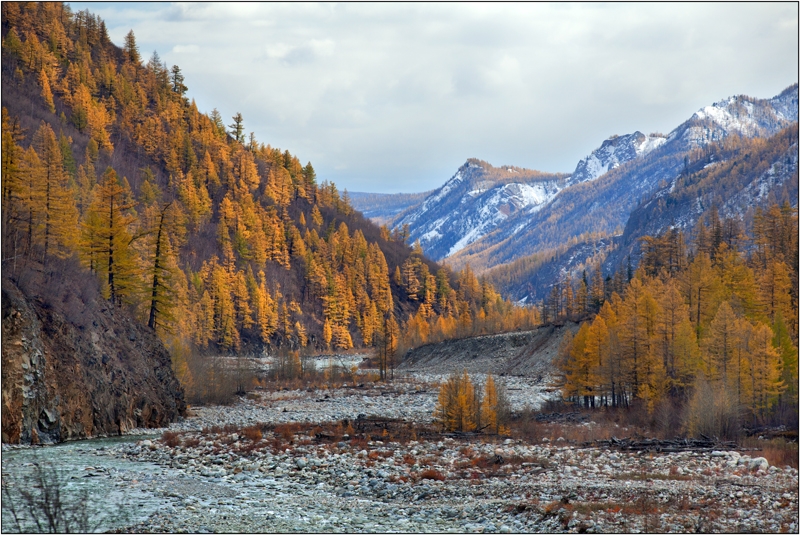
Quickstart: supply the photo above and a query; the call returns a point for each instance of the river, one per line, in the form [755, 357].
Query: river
[119, 491]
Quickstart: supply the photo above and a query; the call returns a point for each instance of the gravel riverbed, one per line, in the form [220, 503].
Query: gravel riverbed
[320, 477]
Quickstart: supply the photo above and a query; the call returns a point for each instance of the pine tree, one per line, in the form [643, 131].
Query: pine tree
[456, 408]
[59, 213]
[168, 228]
[131, 51]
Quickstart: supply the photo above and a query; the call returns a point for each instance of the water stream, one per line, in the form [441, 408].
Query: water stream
[113, 492]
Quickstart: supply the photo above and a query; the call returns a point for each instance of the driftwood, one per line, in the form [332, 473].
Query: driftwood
[768, 432]
[664, 446]
[562, 417]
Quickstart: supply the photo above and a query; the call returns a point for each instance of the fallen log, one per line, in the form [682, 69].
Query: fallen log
[664, 446]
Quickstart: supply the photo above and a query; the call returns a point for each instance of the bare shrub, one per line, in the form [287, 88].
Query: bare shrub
[712, 411]
[171, 439]
[41, 502]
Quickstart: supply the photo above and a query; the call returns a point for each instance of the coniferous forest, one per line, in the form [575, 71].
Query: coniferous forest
[218, 242]
[709, 321]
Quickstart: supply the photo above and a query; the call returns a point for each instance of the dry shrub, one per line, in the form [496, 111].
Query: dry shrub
[430, 473]
[712, 411]
[210, 379]
[287, 431]
[191, 442]
[253, 433]
[171, 439]
[276, 444]
[359, 442]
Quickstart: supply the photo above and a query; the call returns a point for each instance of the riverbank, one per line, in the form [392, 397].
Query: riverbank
[304, 461]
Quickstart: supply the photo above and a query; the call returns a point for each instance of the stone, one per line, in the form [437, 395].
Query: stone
[758, 464]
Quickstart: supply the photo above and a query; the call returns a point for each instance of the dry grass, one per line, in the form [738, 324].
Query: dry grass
[171, 439]
[777, 451]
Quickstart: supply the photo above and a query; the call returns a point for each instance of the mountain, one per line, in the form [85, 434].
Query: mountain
[735, 177]
[382, 208]
[614, 152]
[478, 199]
[601, 206]
[487, 216]
[218, 243]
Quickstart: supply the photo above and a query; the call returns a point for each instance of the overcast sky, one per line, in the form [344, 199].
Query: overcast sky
[395, 97]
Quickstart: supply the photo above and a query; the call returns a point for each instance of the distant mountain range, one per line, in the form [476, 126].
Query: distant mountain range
[488, 216]
[382, 208]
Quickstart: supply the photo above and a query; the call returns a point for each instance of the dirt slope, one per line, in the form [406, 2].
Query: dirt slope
[527, 353]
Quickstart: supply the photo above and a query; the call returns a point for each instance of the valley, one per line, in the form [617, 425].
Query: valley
[254, 467]
[203, 334]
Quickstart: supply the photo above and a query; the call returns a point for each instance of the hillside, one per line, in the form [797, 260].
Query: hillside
[62, 380]
[528, 354]
[736, 176]
[219, 243]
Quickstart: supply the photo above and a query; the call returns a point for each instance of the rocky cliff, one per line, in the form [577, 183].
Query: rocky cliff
[64, 381]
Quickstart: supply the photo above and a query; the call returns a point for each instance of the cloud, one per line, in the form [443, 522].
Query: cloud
[185, 49]
[303, 53]
[396, 96]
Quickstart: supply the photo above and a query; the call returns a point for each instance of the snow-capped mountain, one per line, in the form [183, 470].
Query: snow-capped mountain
[614, 152]
[736, 182]
[474, 202]
[480, 199]
[602, 205]
[743, 115]
[735, 178]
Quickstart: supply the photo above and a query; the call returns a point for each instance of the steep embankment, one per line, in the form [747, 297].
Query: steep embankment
[63, 381]
[527, 353]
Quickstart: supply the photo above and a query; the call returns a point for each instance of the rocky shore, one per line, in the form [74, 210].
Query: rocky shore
[305, 461]
[302, 478]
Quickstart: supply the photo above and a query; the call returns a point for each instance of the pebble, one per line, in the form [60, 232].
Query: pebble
[218, 486]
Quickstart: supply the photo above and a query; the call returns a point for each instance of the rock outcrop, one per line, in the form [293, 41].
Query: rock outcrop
[63, 381]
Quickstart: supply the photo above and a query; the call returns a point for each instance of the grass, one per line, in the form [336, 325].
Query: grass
[777, 451]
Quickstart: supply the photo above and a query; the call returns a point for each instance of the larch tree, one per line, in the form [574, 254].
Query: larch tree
[59, 213]
[106, 244]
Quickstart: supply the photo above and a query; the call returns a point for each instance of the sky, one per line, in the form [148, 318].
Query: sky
[394, 97]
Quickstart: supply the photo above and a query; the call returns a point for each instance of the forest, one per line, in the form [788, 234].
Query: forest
[220, 243]
[223, 244]
[708, 322]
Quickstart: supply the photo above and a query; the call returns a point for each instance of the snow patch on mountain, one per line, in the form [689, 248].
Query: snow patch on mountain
[469, 237]
[615, 151]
